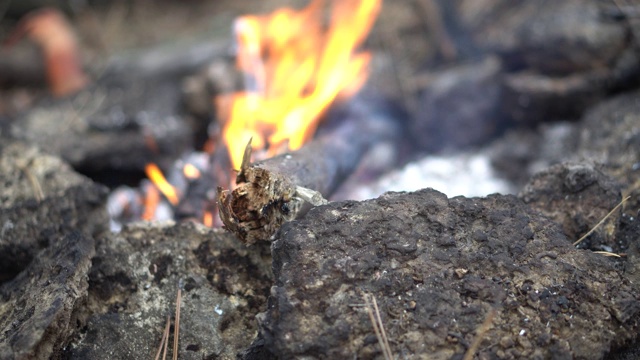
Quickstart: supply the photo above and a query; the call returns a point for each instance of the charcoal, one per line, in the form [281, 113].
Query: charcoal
[438, 267]
[559, 57]
[549, 37]
[129, 117]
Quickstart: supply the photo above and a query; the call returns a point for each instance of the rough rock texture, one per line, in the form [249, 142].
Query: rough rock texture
[560, 56]
[36, 307]
[554, 37]
[123, 126]
[437, 267]
[133, 285]
[521, 153]
[610, 134]
[452, 114]
[41, 200]
[578, 196]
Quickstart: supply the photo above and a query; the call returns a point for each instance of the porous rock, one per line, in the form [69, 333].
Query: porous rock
[578, 196]
[41, 200]
[561, 56]
[119, 126]
[134, 283]
[610, 134]
[459, 107]
[437, 268]
[36, 307]
[552, 37]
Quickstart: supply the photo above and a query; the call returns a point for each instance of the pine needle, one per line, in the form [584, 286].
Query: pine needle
[482, 330]
[378, 327]
[607, 253]
[601, 221]
[176, 330]
[164, 341]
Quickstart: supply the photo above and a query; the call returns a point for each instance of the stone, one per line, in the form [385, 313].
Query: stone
[134, 281]
[550, 299]
[578, 196]
[37, 308]
[41, 200]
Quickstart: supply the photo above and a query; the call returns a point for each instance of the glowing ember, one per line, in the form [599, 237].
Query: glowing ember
[207, 219]
[294, 69]
[155, 175]
[151, 201]
[190, 171]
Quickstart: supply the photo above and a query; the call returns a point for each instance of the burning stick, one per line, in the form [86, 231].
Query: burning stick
[273, 191]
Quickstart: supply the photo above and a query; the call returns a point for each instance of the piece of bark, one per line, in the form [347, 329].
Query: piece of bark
[269, 192]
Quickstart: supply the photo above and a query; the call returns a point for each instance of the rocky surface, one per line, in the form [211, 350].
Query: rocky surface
[610, 134]
[41, 200]
[560, 57]
[438, 267]
[38, 307]
[578, 196]
[133, 285]
[452, 115]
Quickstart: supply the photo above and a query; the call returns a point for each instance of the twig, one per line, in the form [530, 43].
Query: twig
[176, 330]
[601, 221]
[378, 327]
[482, 330]
[35, 184]
[608, 253]
[164, 341]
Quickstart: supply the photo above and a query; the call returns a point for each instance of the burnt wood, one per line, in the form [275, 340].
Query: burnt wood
[268, 192]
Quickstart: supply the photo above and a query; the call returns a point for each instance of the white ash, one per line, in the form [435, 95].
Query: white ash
[459, 174]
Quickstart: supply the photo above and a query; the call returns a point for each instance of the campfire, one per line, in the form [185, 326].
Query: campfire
[294, 67]
[325, 179]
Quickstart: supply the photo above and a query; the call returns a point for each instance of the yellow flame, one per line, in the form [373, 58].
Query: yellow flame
[155, 175]
[294, 69]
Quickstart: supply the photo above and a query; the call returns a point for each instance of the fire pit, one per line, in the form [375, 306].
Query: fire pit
[226, 194]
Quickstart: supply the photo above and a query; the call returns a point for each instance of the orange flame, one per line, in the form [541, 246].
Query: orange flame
[294, 69]
[156, 176]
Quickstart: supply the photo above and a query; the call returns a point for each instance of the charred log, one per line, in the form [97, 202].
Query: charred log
[275, 190]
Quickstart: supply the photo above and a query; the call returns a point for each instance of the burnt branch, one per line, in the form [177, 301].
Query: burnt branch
[275, 190]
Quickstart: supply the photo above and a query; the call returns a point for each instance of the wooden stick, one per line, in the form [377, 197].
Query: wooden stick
[273, 191]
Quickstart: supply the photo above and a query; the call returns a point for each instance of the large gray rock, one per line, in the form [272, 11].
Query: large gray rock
[438, 267]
